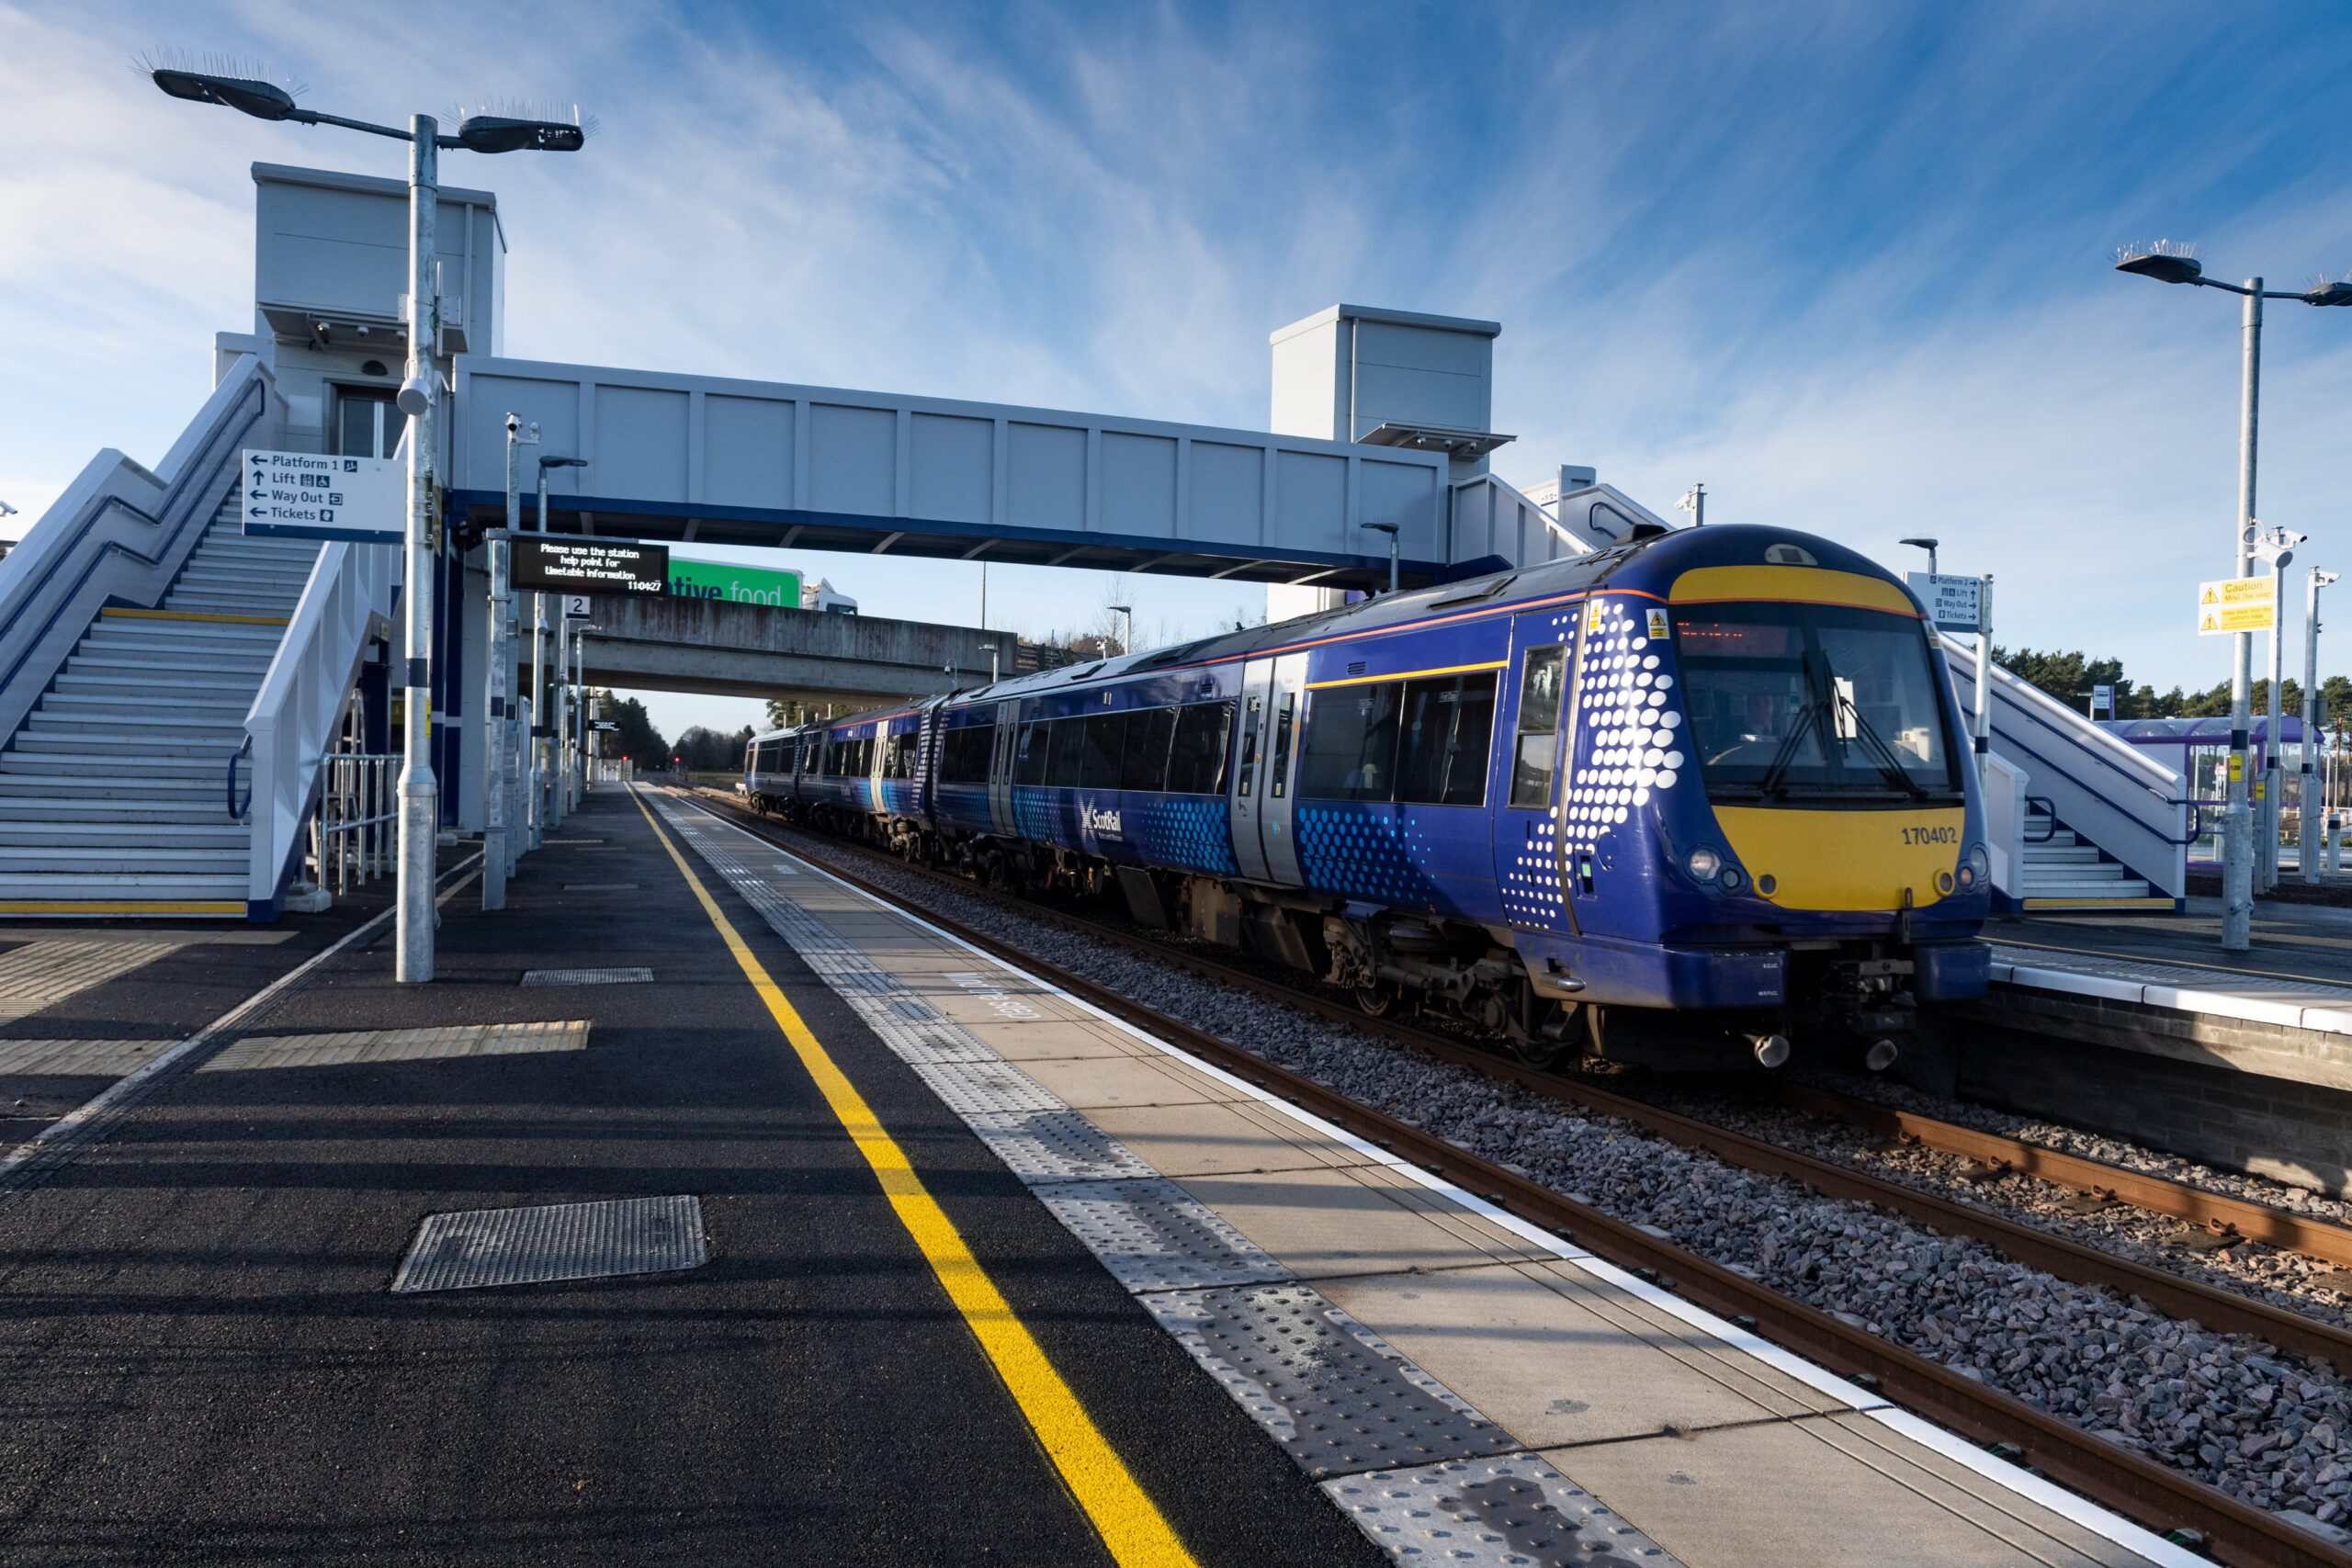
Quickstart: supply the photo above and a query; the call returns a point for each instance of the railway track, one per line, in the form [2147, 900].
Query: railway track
[2163, 1498]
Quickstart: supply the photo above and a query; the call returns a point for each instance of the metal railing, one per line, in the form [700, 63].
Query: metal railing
[238, 808]
[355, 833]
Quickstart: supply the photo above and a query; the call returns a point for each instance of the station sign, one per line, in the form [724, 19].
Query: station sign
[2103, 701]
[2232, 605]
[310, 495]
[576, 607]
[734, 584]
[1954, 603]
[571, 565]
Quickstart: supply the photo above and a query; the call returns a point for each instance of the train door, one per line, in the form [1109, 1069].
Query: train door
[877, 765]
[1001, 759]
[1265, 769]
[1538, 707]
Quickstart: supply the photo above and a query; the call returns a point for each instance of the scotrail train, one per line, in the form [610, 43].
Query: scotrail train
[1715, 771]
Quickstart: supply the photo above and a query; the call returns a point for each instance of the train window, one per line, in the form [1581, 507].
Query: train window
[1196, 758]
[1441, 756]
[1145, 763]
[899, 754]
[1349, 749]
[1069, 754]
[1107, 748]
[1249, 743]
[1281, 744]
[964, 754]
[1535, 755]
[1036, 745]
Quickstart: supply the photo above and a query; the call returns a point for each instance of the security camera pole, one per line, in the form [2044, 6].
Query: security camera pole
[2166, 263]
[420, 791]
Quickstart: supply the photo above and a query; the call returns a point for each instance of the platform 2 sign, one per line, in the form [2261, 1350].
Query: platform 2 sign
[310, 495]
[590, 565]
[1954, 603]
[2231, 604]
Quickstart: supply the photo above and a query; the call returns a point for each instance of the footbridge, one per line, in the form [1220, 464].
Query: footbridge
[756, 651]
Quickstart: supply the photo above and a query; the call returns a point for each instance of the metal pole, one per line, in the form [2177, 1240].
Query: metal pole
[494, 736]
[2237, 825]
[539, 729]
[2273, 740]
[420, 791]
[2308, 807]
[1983, 727]
[1392, 547]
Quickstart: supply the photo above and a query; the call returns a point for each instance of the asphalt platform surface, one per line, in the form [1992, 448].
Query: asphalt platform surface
[200, 1360]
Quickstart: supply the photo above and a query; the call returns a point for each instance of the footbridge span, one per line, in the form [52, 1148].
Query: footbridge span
[756, 650]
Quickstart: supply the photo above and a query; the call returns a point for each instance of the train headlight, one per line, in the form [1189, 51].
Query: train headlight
[1703, 864]
[1973, 870]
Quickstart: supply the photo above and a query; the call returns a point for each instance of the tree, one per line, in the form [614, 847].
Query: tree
[636, 737]
[706, 751]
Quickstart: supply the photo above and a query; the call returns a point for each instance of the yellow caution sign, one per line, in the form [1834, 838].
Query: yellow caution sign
[1657, 623]
[2233, 604]
[1596, 616]
[2238, 766]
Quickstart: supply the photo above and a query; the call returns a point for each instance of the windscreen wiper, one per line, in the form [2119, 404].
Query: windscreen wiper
[1881, 753]
[1775, 779]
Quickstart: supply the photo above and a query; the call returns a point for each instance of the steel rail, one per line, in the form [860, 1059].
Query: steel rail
[2163, 1498]
[2216, 1211]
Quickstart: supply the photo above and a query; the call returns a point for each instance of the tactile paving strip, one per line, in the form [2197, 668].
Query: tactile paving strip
[42, 974]
[1514, 1510]
[1053, 1146]
[557, 1241]
[446, 1043]
[969, 1086]
[1153, 1235]
[1336, 1395]
[623, 976]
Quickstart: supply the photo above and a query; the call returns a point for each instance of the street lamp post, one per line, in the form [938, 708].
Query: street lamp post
[419, 790]
[989, 648]
[557, 793]
[1128, 632]
[2277, 548]
[1929, 546]
[2168, 264]
[2312, 805]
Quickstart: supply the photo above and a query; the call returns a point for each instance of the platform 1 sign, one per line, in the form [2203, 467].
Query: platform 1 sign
[2232, 605]
[571, 565]
[309, 495]
[1954, 603]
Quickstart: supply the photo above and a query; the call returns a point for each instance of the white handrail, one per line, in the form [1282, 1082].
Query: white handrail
[119, 534]
[346, 604]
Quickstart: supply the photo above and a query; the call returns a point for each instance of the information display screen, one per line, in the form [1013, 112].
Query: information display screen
[590, 565]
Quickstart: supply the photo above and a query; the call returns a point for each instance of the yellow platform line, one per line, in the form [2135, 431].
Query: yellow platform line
[196, 615]
[1122, 1513]
[119, 907]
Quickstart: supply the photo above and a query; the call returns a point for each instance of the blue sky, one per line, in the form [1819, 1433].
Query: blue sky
[1847, 264]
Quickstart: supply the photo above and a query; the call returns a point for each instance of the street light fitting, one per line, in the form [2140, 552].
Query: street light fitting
[502, 133]
[2339, 292]
[1929, 544]
[246, 95]
[563, 462]
[2166, 261]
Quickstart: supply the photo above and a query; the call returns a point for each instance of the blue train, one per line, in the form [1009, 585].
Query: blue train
[1711, 774]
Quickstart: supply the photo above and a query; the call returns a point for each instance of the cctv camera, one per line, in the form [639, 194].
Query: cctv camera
[513, 424]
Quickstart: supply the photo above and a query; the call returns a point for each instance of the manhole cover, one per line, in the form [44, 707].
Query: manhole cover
[558, 1241]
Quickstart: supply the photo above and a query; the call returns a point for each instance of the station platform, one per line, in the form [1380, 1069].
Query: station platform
[706, 1209]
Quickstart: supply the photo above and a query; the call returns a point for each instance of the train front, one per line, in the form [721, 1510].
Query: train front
[1835, 846]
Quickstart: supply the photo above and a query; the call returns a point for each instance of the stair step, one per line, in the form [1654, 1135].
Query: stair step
[128, 859]
[128, 834]
[194, 741]
[151, 631]
[108, 680]
[50, 886]
[82, 769]
[193, 808]
[150, 706]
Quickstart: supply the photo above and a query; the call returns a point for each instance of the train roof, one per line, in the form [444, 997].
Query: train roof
[1648, 564]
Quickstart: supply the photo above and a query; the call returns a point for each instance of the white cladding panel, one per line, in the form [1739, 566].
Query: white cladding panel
[334, 246]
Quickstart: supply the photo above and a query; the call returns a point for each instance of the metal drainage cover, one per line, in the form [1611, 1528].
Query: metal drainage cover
[560, 1241]
[587, 976]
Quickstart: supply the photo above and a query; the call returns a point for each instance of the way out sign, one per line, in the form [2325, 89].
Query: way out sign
[2231, 604]
[1955, 603]
[311, 495]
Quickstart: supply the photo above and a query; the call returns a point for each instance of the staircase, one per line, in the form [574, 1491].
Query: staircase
[114, 793]
[2064, 872]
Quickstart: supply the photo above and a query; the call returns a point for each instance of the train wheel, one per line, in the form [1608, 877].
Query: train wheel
[1376, 1001]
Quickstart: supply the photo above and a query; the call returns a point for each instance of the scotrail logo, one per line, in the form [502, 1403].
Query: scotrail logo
[1103, 824]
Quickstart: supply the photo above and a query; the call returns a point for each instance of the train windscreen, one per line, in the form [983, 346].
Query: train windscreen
[1789, 701]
